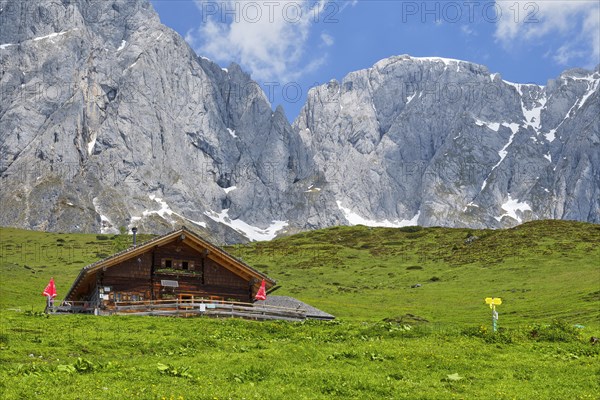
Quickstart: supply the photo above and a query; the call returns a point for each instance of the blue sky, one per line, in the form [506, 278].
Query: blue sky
[289, 46]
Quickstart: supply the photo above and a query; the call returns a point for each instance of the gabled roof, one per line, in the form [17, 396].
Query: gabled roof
[190, 238]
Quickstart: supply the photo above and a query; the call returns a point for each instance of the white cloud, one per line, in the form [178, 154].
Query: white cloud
[591, 24]
[467, 31]
[573, 25]
[343, 4]
[565, 53]
[267, 38]
[327, 39]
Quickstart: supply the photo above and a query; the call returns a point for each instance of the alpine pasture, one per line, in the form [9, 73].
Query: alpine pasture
[411, 321]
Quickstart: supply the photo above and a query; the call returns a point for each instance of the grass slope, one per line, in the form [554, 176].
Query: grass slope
[543, 271]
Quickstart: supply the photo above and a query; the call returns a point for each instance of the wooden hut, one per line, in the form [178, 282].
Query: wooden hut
[177, 266]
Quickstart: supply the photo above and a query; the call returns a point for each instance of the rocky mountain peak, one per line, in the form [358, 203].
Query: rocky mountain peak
[109, 119]
[451, 143]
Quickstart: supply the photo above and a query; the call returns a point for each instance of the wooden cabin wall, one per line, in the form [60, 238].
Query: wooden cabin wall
[212, 279]
[214, 274]
[141, 276]
[129, 276]
[218, 279]
[177, 251]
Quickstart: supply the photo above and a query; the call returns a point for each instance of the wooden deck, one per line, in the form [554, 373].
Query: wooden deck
[185, 308]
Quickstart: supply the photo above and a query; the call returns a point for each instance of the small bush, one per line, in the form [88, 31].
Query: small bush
[169, 369]
[502, 336]
[251, 374]
[396, 377]
[557, 331]
[28, 370]
[81, 365]
[343, 355]
[475, 331]
[3, 340]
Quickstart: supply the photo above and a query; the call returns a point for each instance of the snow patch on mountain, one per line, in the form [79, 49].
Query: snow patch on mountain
[491, 125]
[592, 86]
[502, 153]
[533, 116]
[92, 143]
[447, 61]
[253, 233]
[122, 46]
[106, 225]
[512, 206]
[166, 211]
[550, 136]
[52, 35]
[312, 189]
[355, 219]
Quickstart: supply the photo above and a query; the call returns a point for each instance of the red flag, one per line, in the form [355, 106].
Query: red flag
[262, 292]
[50, 290]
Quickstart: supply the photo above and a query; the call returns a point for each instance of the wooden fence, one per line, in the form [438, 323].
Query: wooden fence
[186, 308]
[68, 307]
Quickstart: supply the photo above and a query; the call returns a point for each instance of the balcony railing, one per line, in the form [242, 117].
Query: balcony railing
[185, 308]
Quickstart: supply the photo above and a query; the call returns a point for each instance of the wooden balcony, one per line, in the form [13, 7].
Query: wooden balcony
[185, 308]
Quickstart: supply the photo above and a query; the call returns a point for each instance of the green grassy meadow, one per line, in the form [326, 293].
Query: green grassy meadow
[389, 341]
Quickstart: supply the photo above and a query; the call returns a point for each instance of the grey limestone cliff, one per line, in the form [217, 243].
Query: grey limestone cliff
[108, 119]
[445, 142]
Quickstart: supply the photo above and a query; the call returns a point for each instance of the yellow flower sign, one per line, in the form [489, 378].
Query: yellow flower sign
[493, 301]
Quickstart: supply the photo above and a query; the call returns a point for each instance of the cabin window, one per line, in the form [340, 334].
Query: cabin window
[172, 265]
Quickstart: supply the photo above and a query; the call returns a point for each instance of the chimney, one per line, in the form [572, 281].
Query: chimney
[134, 230]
